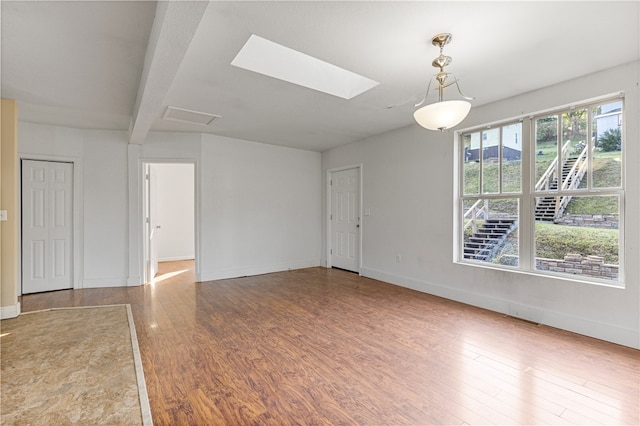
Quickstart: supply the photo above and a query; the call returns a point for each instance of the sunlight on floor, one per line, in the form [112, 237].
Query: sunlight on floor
[167, 276]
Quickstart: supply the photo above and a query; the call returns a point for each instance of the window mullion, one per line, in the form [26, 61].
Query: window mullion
[527, 201]
[559, 146]
[480, 165]
[500, 139]
[590, 143]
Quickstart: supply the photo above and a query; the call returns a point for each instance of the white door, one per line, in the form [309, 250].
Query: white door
[152, 227]
[345, 220]
[47, 204]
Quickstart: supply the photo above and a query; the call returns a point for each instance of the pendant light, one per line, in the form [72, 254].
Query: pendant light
[443, 114]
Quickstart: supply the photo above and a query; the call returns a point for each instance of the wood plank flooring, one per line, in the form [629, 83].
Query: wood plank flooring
[320, 346]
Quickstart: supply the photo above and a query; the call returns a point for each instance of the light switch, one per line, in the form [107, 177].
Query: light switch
[3, 215]
[367, 212]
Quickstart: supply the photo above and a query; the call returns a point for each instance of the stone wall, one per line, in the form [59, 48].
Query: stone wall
[589, 220]
[589, 266]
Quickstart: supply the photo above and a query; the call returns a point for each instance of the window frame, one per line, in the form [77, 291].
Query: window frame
[527, 196]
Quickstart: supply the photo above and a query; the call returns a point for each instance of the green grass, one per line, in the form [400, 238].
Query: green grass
[593, 205]
[606, 174]
[556, 241]
[511, 172]
[607, 169]
[545, 154]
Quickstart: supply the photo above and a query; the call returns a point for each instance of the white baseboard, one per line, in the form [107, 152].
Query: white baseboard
[11, 311]
[257, 270]
[134, 281]
[104, 282]
[584, 326]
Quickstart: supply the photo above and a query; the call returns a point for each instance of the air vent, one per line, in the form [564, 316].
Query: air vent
[188, 116]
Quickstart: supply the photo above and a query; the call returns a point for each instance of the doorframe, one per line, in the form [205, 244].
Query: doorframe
[140, 220]
[328, 212]
[78, 218]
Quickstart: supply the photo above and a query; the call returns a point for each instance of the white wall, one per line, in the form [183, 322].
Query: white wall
[257, 206]
[408, 187]
[100, 213]
[261, 212]
[175, 210]
[105, 208]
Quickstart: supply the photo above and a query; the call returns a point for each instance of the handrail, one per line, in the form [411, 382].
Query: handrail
[475, 213]
[573, 179]
[547, 176]
[579, 167]
[471, 208]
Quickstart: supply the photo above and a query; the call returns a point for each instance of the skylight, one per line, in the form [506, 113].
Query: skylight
[274, 60]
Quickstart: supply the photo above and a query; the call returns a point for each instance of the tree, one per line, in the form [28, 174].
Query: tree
[611, 140]
[547, 129]
[575, 124]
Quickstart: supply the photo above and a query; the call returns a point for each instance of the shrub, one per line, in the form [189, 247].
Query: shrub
[611, 140]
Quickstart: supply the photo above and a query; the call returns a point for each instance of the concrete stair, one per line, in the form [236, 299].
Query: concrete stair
[490, 237]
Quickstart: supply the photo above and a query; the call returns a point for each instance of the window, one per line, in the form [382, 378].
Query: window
[558, 212]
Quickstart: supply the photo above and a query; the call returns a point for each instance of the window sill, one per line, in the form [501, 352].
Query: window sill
[545, 274]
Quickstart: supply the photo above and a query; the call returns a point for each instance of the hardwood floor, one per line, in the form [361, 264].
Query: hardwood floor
[322, 346]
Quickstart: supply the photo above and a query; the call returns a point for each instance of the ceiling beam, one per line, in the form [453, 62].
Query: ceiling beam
[174, 26]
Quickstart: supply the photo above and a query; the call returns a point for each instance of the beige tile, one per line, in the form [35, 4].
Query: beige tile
[68, 366]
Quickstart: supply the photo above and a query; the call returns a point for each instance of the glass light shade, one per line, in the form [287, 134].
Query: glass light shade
[442, 115]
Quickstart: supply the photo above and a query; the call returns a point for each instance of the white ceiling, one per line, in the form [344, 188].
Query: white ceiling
[119, 64]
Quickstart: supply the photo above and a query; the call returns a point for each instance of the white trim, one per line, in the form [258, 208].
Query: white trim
[147, 419]
[135, 231]
[609, 332]
[143, 395]
[258, 270]
[551, 110]
[458, 180]
[526, 197]
[137, 225]
[78, 218]
[11, 311]
[359, 167]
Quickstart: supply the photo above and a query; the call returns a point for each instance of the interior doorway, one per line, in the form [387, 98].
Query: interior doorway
[47, 225]
[344, 219]
[169, 217]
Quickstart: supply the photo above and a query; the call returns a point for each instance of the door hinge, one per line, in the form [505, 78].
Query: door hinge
[146, 220]
[146, 176]
[331, 216]
[331, 251]
[331, 182]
